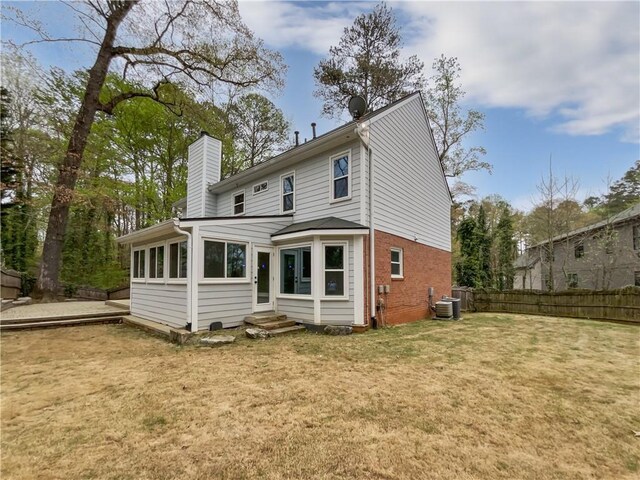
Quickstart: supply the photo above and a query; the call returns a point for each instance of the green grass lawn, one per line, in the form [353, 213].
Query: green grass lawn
[491, 396]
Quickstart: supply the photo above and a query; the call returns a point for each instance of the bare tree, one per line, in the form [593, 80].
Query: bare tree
[192, 42]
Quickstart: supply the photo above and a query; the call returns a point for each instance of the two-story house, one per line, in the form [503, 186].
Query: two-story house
[601, 256]
[350, 226]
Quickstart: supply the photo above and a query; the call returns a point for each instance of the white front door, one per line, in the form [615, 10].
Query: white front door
[263, 276]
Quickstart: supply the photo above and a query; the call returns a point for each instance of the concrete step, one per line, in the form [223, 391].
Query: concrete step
[260, 319]
[284, 330]
[23, 325]
[277, 324]
[56, 318]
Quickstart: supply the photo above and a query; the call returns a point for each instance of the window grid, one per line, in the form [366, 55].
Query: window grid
[288, 193]
[238, 203]
[335, 284]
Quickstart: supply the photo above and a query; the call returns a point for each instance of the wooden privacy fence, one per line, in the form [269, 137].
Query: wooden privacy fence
[622, 304]
[10, 283]
[465, 294]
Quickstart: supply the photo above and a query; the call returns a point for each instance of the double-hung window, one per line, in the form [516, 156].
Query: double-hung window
[224, 260]
[578, 250]
[397, 270]
[335, 284]
[636, 237]
[238, 203]
[138, 264]
[156, 262]
[288, 192]
[178, 260]
[340, 177]
[572, 280]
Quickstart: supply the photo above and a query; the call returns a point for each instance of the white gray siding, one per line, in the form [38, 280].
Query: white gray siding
[160, 303]
[312, 190]
[205, 156]
[411, 195]
[296, 309]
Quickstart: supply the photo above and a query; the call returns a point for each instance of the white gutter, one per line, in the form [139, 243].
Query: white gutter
[192, 313]
[362, 131]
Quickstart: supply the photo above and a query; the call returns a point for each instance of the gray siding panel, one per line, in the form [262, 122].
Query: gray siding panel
[249, 232]
[295, 309]
[411, 196]
[312, 197]
[226, 303]
[160, 303]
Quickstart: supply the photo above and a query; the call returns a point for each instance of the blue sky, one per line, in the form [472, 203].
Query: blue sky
[553, 78]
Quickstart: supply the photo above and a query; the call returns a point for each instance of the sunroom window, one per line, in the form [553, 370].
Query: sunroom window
[156, 262]
[138, 264]
[295, 271]
[178, 260]
[334, 270]
[225, 259]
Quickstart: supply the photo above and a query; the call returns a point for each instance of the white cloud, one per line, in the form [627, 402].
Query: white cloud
[577, 62]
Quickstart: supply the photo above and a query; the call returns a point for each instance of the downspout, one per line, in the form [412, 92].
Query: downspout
[193, 319]
[363, 133]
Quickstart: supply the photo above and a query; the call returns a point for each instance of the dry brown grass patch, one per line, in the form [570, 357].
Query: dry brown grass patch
[493, 396]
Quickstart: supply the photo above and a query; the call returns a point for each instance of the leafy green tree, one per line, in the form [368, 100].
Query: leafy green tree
[484, 249]
[625, 192]
[506, 245]
[155, 42]
[468, 266]
[367, 62]
[259, 130]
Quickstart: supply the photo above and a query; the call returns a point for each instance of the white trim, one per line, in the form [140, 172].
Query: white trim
[295, 186]
[294, 296]
[319, 232]
[316, 274]
[349, 176]
[178, 279]
[253, 191]
[148, 233]
[233, 203]
[191, 316]
[155, 245]
[233, 221]
[202, 280]
[358, 280]
[134, 268]
[401, 262]
[194, 254]
[363, 198]
[345, 270]
[259, 307]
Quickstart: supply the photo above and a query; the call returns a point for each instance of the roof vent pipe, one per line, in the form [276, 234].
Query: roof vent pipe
[313, 127]
[297, 140]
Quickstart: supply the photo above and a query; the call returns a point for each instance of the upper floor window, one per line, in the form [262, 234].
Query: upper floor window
[238, 203]
[636, 237]
[288, 192]
[138, 264]
[578, 250]
[340, 177]
[156, 262]
[396, 263]
[225, 259]
[261, 187]
[178, 260]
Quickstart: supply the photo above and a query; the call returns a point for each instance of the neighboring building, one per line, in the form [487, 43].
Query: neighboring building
[293, 234]
[601, 256]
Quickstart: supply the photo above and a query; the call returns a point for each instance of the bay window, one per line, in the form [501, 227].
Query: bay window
[295, 271]
[335, 270]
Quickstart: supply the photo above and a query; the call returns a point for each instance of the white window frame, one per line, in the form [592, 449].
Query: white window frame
[142, 279]
[205, 280]
[177, 279]
[345, 270]
[297, 296]
[332, 198]
[401, 262]
[259, 185]
[149, 247]
[295, 186]
[233, 203]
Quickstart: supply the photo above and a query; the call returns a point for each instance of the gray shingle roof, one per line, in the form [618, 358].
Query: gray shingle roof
[328, 223]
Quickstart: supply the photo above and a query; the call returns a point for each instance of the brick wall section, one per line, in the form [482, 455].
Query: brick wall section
[424, 267]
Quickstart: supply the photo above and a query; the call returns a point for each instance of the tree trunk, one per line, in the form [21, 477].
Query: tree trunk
[48, 279]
